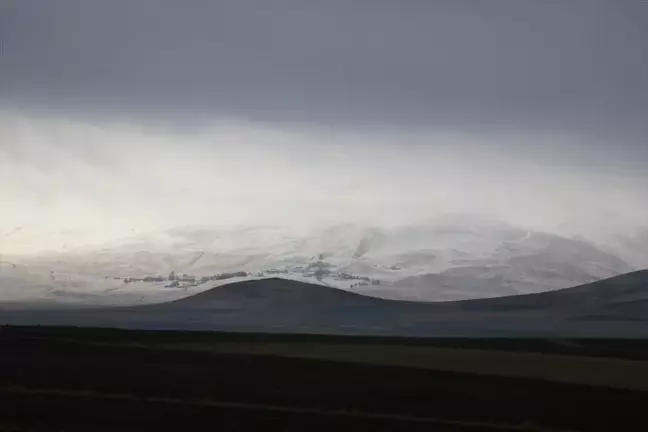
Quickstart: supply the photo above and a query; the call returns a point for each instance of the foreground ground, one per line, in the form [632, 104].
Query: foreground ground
[94, 379]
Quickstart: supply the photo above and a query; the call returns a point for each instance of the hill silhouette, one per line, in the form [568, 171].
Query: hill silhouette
[277, 291]
[614, 307]
[626, 288]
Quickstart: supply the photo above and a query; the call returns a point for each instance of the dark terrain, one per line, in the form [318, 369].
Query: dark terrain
[307, 356]
[610, 308]
[102, 379]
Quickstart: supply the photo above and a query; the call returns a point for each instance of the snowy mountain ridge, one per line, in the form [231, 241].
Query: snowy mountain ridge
[447, 258]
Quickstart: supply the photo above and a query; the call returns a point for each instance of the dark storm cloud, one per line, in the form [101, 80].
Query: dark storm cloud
[538, 65]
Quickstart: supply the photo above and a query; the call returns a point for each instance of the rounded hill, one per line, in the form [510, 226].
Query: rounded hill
[275, 291]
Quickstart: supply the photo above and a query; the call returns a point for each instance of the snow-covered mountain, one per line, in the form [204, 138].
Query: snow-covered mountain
[625, 238]
[539, 262]
[446, 258]
[631, 246]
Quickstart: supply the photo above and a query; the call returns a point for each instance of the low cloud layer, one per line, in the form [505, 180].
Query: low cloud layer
[127, 115]
[61, 173]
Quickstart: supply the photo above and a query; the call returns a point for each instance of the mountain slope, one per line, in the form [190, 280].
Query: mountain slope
[623, 289]
[541, 262]
[609, 308]
[275, 292]
[452, 257]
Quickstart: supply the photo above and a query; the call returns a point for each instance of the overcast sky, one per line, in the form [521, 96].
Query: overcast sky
[124, 110]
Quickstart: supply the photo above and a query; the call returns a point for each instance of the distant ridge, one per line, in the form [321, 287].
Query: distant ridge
[273, 291]
[277, 291]
[614, 307]
[629, 287]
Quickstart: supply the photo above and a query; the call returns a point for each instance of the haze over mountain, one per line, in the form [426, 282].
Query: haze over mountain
[149, 151]
[145, 116]
[451, 257]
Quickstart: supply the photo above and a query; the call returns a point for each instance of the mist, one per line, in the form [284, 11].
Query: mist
[134, 116]
[111, 178]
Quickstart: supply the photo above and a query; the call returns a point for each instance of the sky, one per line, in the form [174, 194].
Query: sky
[150, 113]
